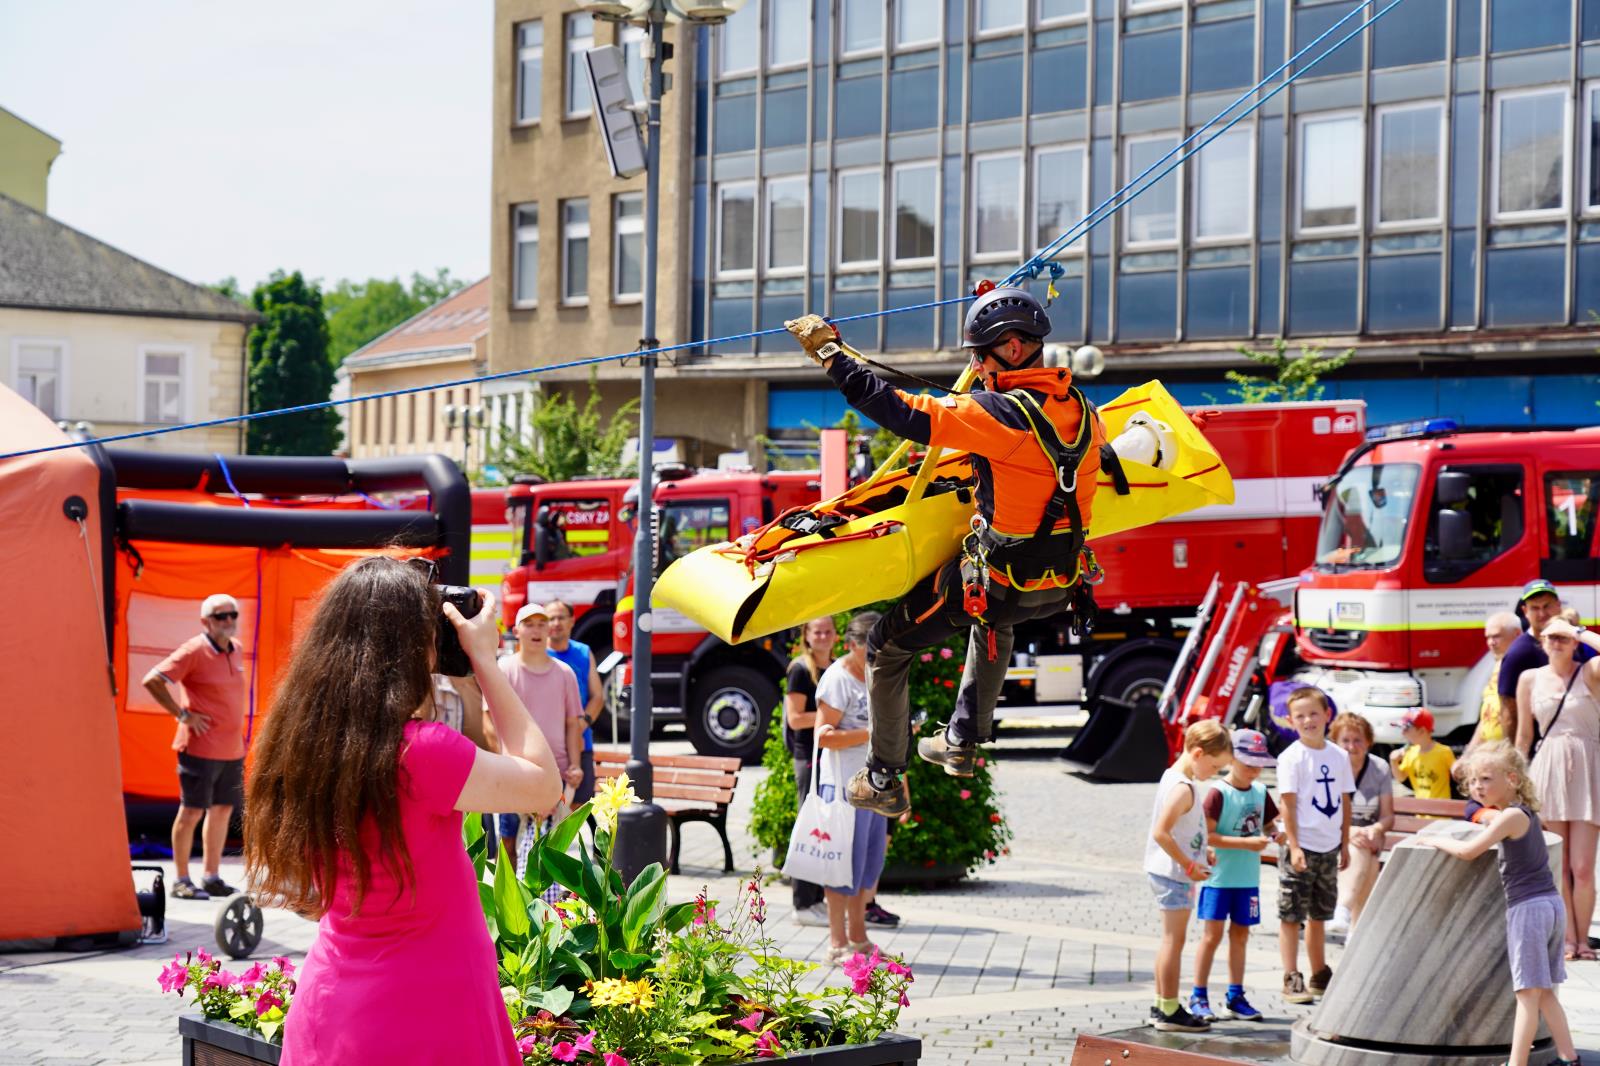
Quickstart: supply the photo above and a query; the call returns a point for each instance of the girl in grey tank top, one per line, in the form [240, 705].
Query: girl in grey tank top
[1536, 921]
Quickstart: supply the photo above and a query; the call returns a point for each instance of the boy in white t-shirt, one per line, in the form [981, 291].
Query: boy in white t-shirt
[1314, 787]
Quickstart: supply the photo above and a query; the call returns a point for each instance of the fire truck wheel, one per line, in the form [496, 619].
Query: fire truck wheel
[1136, 681]
[729, 711]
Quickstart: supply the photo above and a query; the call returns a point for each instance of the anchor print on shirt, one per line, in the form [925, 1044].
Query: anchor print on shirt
[1330, 806]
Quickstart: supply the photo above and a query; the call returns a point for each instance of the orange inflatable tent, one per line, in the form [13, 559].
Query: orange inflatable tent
[60, 778]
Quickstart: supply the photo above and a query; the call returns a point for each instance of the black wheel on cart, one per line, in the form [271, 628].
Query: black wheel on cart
[238, 926]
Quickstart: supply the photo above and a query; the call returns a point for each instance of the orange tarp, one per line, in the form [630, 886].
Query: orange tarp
[63, 843]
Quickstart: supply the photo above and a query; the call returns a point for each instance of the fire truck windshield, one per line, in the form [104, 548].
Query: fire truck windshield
[1368, 512]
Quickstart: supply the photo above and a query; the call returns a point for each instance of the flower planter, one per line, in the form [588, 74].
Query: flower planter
[209, 1043]
[910, 876]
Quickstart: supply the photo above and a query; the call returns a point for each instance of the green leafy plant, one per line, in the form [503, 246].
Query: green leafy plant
[288, 367]
[256, 999]
[1290, 377]
[569, 441]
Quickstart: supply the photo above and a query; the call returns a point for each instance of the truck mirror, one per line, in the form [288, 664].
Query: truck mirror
[1455, 534]
[1453, 488]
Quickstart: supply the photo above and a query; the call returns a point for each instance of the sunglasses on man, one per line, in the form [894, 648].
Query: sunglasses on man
[224, 616]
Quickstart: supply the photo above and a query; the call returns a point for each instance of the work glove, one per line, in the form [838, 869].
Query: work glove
[817, 336]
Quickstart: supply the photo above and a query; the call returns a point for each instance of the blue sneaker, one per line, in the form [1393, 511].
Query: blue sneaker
[1238, 1007]
[1200, 1008]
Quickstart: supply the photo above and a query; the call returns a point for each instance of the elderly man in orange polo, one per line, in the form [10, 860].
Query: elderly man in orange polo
[209, 739]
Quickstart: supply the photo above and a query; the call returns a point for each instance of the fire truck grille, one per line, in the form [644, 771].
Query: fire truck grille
[1337, 639]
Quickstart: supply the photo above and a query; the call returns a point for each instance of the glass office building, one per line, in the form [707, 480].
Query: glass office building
[1428, 194]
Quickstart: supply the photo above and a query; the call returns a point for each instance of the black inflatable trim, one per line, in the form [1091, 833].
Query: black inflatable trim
[448, 526]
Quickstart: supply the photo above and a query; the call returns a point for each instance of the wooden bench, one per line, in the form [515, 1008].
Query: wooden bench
[1096, 1050]
[690, 788]
[1411, 814]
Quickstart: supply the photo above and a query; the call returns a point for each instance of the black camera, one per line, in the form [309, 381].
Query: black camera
[451, 660]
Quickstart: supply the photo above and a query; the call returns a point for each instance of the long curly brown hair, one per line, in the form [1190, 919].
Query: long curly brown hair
[328, 755]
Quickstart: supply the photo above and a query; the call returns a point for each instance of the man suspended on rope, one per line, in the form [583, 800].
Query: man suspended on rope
[1036, 447]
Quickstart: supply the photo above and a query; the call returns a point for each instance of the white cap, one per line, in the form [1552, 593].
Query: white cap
[215, 600]
[527, 610]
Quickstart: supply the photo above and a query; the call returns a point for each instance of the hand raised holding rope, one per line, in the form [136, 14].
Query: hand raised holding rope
[817, 336]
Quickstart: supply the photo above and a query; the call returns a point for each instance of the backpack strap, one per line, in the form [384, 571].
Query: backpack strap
[1063, 457]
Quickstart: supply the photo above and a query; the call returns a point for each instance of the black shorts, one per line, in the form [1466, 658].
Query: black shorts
[210, 782]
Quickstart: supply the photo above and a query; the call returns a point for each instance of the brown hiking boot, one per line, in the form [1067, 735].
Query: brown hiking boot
[1294, 988]
[1319, 980]
[891, 802]
[958, 760]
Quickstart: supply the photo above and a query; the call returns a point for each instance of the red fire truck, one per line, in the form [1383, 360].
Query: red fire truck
[1156, 577]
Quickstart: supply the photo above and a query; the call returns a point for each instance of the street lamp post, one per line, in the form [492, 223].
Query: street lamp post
[642, 828]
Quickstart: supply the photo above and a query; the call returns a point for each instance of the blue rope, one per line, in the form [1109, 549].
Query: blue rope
[1031, 269]
[227, 475]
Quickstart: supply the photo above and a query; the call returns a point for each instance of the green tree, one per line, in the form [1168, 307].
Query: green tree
[229, 287]
[289, 366]
[1290, 377]
[570, 441]
[362, 311]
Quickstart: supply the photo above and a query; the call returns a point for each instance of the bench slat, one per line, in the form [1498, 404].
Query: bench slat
[676, 777]
[725, 763]
[1450, 808]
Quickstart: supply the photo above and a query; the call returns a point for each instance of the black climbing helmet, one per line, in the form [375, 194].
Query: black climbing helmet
[1000, 309]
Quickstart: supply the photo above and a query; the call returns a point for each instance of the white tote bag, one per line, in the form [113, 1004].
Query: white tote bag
[819, 846]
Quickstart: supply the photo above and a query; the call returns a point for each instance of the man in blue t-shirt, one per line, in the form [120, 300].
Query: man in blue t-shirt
[577, 655]
[1540, 603]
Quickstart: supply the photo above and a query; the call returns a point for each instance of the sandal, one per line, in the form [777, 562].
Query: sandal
[1585, 954]
[187, 889]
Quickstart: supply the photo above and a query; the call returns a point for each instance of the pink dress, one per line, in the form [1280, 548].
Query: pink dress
[411, 979]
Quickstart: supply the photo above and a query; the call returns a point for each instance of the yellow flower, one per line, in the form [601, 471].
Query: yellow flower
[609, 798]
[620, 992]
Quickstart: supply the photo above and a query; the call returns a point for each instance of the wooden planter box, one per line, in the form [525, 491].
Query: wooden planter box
[208, 1043]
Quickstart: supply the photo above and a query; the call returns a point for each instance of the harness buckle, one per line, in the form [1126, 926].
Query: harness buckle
[1067, 486]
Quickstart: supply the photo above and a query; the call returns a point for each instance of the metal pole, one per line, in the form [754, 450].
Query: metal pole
[642, 828]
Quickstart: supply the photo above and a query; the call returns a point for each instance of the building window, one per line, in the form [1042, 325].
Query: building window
[1057, 194]
[996, 16]
[996, 198]
[37, 369]
[786, 225]
[1224, 187]
[1330, 172]
[916, 199]
[161, 391]
[1149, 5]
[627, 246]
[525, 255]
[788, 34]
[530, 70]
[860, 202]
[916, 22]
[1590, 146]
[1407, 172]
[1048, 11]
[631, 40]
[738, 41]
[736, 229]
[1152, 216]
[860, 26]
[575, 251]
[580, 38]
[1530, 153]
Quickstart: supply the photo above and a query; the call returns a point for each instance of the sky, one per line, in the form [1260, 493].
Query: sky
[342, 138]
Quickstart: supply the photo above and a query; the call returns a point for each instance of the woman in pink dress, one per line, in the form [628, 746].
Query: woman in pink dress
[353, 815]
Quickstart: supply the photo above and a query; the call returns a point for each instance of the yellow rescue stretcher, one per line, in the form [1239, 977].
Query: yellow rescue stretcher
[878, 539]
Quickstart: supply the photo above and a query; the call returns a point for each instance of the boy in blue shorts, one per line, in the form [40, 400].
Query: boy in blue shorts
[1239, 816]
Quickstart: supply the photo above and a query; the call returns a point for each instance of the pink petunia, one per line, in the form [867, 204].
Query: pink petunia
[896, 967]
[905, 1000]
[980, 760]
[527, 1044]
[283, 964]
[927, 656]
[202, 954]
[750, 1022]
[564, 1052]
[267, 1001]
[966, 793]
[859, 969]
[767, 1045]
[174, 975]
[219, 979]
[252, 977]
[613, 1059]
[945, 653]
[586, 1042]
